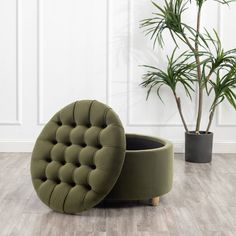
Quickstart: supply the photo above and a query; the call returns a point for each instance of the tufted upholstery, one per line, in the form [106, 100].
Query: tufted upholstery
[78, 156]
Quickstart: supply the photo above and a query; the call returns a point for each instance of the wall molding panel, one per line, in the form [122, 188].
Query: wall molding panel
[18, 119]
[40, 60]
[39, 65]
[219, 113]
[129, 89]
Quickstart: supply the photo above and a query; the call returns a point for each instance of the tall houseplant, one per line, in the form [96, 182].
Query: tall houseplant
[205, 64]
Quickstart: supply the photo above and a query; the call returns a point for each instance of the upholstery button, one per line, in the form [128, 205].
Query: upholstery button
[58, 181]
[83, 145]
[63, 162]
[73, 124]
[88, 187]
[93, 167]
[44, 179]
[89, 125]
[72, 184]
[48, 160]
[99, 146]
[59, 123]
[69, 144]
[54, 142]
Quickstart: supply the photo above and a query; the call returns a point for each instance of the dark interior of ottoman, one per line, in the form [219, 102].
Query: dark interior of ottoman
[141, 143]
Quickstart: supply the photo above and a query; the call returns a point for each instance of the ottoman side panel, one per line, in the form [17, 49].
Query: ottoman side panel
[145, 174]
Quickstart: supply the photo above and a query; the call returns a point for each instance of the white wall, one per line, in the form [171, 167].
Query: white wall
[56, 51]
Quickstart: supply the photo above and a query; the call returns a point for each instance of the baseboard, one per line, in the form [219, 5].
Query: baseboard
[27, 146]
[16, 146]
[218, 147]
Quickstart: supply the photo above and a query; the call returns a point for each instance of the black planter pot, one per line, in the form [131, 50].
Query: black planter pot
[198, 147]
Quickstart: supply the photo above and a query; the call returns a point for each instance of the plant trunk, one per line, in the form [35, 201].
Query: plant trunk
[200, 92]
[199, 116]
[195, 50]
[178, 102]
[210, 119]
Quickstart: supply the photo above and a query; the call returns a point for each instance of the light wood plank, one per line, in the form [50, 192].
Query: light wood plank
[202, 202]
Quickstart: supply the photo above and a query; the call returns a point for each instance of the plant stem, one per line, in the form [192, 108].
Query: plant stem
[178, 102]
[209, 75]
[199, 74]
[189, 44]
[211, 114]
[195, 50]
[210, 119]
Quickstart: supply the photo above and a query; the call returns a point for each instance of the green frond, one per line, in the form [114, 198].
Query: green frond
[224, 86]
[227, 2]
[167, 17]
[178, 71]
[218, 58]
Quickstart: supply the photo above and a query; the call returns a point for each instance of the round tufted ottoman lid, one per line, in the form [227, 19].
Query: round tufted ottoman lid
[78, 156]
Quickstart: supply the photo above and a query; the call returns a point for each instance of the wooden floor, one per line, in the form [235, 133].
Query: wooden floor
[202, 202]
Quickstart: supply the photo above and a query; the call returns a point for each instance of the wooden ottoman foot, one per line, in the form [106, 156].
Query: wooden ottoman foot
[155, 201]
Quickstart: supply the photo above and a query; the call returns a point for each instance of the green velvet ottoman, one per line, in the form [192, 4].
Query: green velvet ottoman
[147, 171]
[83, 156]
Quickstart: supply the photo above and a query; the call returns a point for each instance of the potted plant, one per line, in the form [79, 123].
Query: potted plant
[204, 64]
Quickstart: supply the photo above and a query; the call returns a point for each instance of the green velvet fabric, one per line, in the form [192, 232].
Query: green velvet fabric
[78, 156]
[147, 171]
